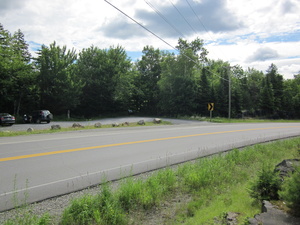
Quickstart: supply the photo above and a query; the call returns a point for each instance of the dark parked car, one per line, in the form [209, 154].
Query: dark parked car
[40, 116]
[7, 119]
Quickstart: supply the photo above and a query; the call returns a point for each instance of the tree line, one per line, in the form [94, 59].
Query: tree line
[98, 82]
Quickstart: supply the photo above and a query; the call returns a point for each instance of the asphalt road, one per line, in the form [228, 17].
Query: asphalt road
[37, 167]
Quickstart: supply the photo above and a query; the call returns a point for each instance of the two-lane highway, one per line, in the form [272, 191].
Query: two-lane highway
[37, 167]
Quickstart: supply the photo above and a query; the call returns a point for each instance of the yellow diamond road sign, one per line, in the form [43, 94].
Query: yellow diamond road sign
[210, 106]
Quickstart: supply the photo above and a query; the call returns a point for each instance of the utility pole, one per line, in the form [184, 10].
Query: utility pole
[229, 93]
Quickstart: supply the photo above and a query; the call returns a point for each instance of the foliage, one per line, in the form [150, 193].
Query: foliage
[135, 194]
[266, 186]
[27, 218]
[100, 209]
[107, 78]
[97, 82]
[291, 191]
[58, 80]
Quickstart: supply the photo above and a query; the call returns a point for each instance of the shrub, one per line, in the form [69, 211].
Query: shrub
[291, 191]
[266, 186]
[81, 211]
[99, 209]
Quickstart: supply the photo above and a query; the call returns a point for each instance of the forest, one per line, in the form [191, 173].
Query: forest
[101, 82]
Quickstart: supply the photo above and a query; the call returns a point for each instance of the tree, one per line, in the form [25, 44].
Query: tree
[6, 81]
[251, 91]
[107, 75]
[177, 91]
[59, 85]
[16, 74]
[204, 95]
[178, 83]
[276, 80]
[223, 91]
[149, 68]
[267, 98]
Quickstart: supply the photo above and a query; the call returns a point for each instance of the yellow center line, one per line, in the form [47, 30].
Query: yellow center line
[129, 143]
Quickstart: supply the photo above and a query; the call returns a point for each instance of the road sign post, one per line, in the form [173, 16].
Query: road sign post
[210, 107]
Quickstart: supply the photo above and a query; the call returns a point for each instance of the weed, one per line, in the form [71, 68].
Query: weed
[291, 191]
[266, 186]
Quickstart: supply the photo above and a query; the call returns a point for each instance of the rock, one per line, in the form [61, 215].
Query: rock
[115, 124]
[157, 120]
[98, 125]
[30, 129]
[286, 167]
[141, 122]
[125, 124]
[271, 215]
[232, 218]
[77, 125]
[55, 127]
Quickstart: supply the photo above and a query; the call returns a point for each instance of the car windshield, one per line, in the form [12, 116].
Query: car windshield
[4, 114]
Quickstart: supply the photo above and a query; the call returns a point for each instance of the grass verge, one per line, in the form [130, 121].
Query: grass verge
[214, 186]
[233, 120]
[46, 131]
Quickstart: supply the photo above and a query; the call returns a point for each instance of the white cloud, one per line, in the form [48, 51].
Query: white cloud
[263, 54]
[249, 33]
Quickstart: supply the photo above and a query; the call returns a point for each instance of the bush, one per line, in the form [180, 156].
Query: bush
[291, 191]
[99, 209]
[81, 211]
[266, 186]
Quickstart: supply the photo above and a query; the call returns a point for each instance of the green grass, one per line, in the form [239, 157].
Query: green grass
[215, 186]
[251, 120]
[46, 131]
[233, 120]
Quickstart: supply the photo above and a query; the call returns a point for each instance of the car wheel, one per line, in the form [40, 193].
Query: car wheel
[48, 121]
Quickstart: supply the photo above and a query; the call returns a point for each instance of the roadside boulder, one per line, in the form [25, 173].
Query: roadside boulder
[157, 121]
[98, 125]
[286, 167]
[77, 125]
[125, 124]
[55, 127]
[30, 129]
[141, 122]
[115, 125]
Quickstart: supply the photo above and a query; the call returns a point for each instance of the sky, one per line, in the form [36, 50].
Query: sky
[249, 33]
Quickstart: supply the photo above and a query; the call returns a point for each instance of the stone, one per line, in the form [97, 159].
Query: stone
[141, 122]
[125, 124]
[271, 215]
[30, 129]
[286, 167]
[98, 125]
[157, 120]
[77, 125]
[55, 127]
[115, 124]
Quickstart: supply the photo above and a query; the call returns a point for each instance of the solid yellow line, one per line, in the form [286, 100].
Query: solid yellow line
[129, 143]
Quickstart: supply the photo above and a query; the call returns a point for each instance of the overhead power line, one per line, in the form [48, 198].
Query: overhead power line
[183, 17]
[150, 31]
[164, 18]
[158, 37]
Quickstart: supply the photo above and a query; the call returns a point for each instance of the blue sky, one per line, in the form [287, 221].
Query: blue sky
[250, 33]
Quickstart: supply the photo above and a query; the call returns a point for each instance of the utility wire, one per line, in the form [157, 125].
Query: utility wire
[164, 18]
[197, 17]
[201, 23]
[159, 37]
[183, 16]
